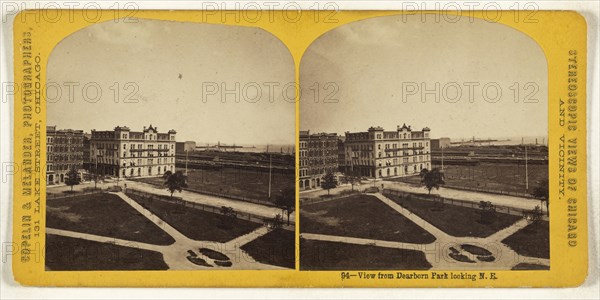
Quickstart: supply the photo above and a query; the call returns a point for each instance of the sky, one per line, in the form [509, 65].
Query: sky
[174, 75]
[377, 70]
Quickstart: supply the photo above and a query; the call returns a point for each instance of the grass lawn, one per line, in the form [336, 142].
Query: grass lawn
[71, 254]
[490, 176]
[106, 215]
[235, 182]
[361, 216]
[274, 248]
[454, 220]
[320, 255]
[533, 240]
[195, 223]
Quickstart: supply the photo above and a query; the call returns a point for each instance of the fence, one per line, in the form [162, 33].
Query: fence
[208, 208]
[50, 196]
[232, 197]
[470, 188]
[209, 193]
[340, 195]
[500, 209]
[490, 191]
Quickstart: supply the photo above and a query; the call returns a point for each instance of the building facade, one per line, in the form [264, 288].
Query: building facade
[64, 151]
[318, 156]
[124, 153]
[441, 143]
[377, 153]
[187, 146]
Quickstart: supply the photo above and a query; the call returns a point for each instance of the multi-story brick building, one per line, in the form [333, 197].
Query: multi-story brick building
[318, 156]
[125, 153]
[64, 152]
[377, 153]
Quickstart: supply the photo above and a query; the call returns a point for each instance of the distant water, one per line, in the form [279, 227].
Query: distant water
[285, 148]
[503, 141]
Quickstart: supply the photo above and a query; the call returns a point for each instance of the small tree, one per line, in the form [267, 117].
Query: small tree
[287, 202]
[329, 182]
[432, 179]
[541, 192]
[73, 178]
[274, 223]
[487, 212]
[228, 217]
[175, 181]
[353, 180]
[533, 216]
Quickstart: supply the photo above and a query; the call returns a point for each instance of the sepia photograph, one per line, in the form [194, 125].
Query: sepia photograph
[428, 149]
[170, 146]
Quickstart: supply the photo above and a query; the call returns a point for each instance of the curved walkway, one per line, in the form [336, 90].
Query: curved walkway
[438, 253]
[175, 255]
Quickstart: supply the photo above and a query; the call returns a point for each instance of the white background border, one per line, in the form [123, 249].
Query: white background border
[9, 289]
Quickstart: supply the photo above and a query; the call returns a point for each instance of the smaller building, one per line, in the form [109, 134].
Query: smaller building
[187, 146]
[341, 154]
[440, 143]
[64, 151]
[318, 156]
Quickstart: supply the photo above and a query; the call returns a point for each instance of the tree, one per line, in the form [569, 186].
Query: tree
[228, 217]
[541, 192]
[533, 216]
[432, 179]
[175, 181]
[73, 178]
[353, 180]
[287, 202]
[274, 223]
[487, 212]
[328, 182]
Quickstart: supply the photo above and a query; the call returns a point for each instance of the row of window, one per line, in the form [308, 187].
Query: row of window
[394, 161]
[317, 153]
[317, 171]
[61, 167]
[64, 140]
[64, 148]
[64, 157]
[134, 162]
[317, 162]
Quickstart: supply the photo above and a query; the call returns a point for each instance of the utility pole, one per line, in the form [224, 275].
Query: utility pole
[186, 162]
[270, 167]
[526, 174]
[442, 158]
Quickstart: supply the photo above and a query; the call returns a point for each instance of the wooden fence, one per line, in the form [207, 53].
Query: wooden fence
[471, 204]
[204, 207]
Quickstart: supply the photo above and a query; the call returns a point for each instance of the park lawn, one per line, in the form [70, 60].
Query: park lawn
[72, 254]
[454, 220]
[195, 223]
[533, 240]
[361, 216]
[274, 248]
[106, 215]
[490, 176]
[238, 183]
[321, 255]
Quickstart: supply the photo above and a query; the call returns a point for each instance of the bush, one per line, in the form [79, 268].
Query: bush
[371, 190]
[274, 223]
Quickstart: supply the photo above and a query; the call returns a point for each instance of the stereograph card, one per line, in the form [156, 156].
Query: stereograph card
[314, 149]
